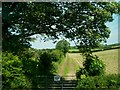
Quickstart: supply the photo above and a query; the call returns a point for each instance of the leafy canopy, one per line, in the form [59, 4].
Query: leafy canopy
[83, 22]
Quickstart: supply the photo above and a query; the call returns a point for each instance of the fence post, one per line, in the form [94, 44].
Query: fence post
[62, 83]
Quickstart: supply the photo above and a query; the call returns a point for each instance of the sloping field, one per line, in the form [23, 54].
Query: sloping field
[73, 61]
[110, 58]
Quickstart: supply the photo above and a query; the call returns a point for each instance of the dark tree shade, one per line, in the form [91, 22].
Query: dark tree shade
[22, 20]
[83, 22]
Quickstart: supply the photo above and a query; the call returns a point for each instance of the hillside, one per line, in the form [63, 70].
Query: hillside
[73, 61]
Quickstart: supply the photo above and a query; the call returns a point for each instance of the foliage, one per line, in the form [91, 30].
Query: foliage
[57, 55]
[63, 45]
[12, 72]
[108, 81]
[83, 22]
[22, 20]
[21, 72]
[46, 60]
[97, 49]
[20, 82]
[81, 72]
[94, 65]
[30, 62]
[39, 61]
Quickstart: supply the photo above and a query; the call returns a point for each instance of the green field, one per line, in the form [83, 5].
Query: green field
[71, 50]
[73, 61]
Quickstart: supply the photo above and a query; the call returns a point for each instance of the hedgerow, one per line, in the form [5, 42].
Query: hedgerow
[12, 72]
[103, 81]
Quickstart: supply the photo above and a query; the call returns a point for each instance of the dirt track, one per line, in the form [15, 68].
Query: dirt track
[68, 67]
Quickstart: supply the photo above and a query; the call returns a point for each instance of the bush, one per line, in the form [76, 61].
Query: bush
[109, 81]
[45, 63]
[57, 55]
[29, 62]
[20, 81]
[81, 73]
[12, 72]
[93, 65]
[48, 59]
[86, 83]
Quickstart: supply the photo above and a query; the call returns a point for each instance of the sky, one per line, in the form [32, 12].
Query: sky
[111, 40]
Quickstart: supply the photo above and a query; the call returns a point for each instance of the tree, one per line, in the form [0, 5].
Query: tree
[83, 22]
[22, 20]
[63, 45]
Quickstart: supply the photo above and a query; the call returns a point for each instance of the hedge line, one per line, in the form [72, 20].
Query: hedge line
[98, 82]
[96, 50]
[21, 71]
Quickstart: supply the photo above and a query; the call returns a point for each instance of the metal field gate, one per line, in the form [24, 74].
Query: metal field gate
[56, 83]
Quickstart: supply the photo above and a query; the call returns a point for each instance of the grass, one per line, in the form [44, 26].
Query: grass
[60, 66]
[66, 69]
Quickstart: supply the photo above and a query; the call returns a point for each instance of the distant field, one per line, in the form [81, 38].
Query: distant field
[73, 50]
[74, 60]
